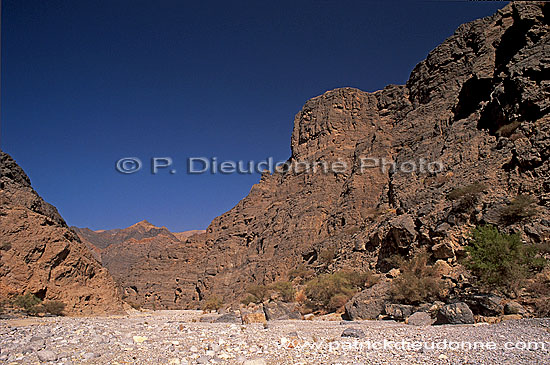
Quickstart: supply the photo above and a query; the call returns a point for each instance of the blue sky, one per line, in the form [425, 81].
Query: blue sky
[85, 83]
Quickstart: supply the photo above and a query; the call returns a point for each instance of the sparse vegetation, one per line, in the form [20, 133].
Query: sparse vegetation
[327, 292]
[53, 307]
[29, 303]
[327, 256]
[418, 281]
[501, 260]
[213, 303]
[540, 290]
[521, 207]
[301, 272]
[258, 293]
[285, 289]
[467, 196]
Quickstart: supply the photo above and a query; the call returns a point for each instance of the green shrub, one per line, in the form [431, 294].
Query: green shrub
[467, 196]
[28, 303]
[327, 256]
[259, 292]
[53, 307]
[285, 289]
[501, 260]
[418, 281]
[521, 207]
[249, 299]
[540, 291]
[327, 291]
[213, 303]
[301, 272]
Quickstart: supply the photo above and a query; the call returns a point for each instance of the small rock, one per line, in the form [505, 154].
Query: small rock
[353, 332]
[89, 356]
[257, 361]
[46, 355]
[139, 339]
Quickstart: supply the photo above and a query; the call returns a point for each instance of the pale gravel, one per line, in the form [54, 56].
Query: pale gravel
[177, 337]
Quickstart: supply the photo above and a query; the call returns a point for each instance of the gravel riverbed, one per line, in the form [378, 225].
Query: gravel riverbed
[179, 337]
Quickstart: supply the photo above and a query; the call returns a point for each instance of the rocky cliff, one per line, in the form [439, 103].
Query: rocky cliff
[153, 266]
[477, 106]
[41, 255]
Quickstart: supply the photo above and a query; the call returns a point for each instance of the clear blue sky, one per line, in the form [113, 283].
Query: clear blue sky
[86, 82]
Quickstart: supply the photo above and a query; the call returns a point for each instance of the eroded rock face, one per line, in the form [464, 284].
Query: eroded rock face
[41, 255]
[153, 266]
[478, 106]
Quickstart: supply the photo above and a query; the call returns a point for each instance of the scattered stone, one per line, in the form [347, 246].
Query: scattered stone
[46, 355]
[257, 361]
[139, 339]
[353, 332]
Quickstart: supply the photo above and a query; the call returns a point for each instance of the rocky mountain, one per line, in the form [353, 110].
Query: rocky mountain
[147, 262]
[477, 106]
[41, 255]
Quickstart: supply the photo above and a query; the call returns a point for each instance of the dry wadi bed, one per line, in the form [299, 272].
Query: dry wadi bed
[179, 337]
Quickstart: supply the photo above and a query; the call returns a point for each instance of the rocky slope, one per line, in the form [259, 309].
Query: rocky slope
[478, 105]
[41, 255]
[152, 265]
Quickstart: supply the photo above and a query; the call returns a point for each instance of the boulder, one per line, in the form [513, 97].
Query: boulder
[456, 313]
[514, 308]
[280, 310]
[420, 319]
[256, 315]
[228, 318]
[369, 303]
[488, 305]
[399, 312]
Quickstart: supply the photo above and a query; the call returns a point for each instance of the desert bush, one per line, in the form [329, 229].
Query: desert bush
[327, 255]
[285, 289]
[337, 302]
[501, 260]
[418, 281]
[467, 196]
[328, 290]
[300, 272]
[29, 303]
[259, 292]
[53, 307]
[540, 291]
[521, 207]
[249, 299]
[213, 303]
